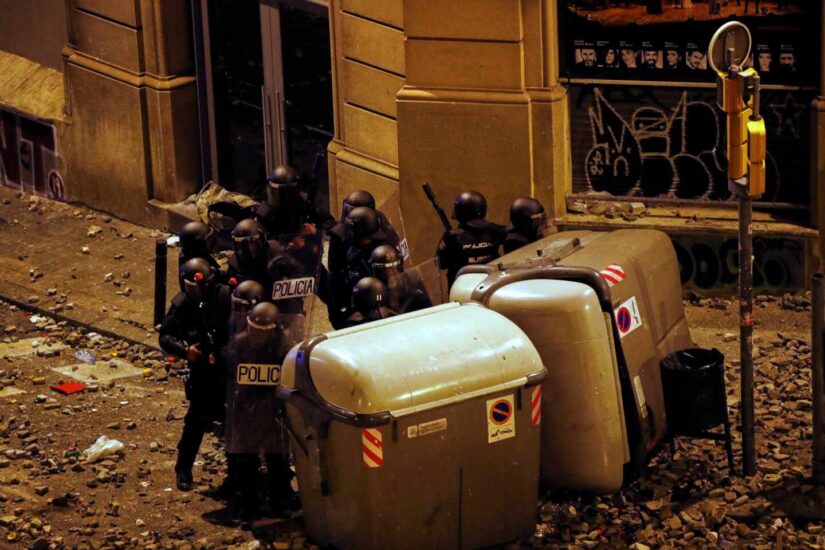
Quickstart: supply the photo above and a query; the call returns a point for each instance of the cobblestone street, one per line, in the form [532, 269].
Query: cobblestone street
[51, 498]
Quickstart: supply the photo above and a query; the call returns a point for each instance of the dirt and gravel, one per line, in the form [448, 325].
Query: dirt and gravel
[51, 498]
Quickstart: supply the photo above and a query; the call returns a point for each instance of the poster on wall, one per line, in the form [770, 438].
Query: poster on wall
[644, 141]
[668, 39]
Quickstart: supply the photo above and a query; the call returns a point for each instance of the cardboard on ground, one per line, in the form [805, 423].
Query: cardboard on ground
[10, 391]
[29, 346]
[99, 371]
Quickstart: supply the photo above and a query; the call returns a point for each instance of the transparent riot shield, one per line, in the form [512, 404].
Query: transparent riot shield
[416, 288]
[390, 213]
[254, 414]
[295, 273]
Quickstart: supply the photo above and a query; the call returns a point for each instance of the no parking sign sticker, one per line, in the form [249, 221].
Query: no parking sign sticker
[628, 317]
[501, 423]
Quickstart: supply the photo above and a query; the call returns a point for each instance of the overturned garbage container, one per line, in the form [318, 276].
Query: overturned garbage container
[418, 431]
[693, 382]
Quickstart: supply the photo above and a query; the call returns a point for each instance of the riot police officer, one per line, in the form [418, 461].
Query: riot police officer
[254, 412]
[245, 296]
[195, 329]
[252, 253]
[288, 209]
[405, 291]
[194, 244]
[476, 241]
[340, 241]
[369, 302]
[527, 221]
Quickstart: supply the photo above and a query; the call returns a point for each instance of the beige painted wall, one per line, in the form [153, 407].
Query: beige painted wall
[35, 29]
[369, 69]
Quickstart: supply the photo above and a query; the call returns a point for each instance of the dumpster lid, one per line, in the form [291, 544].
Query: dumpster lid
[419, 361]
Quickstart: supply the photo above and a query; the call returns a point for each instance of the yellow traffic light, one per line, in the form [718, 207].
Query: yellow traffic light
[757, 151]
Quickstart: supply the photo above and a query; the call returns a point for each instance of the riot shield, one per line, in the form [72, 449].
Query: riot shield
[390, 212]
[295, 271]
[254, 356]
[416, 288]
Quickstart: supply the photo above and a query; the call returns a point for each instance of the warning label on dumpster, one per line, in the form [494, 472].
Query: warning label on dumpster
[628, 317]
[501, 424]
[426, 428]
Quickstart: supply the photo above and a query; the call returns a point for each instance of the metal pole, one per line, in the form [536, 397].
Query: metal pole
[746, 332]
[160, 281]
[818, 376]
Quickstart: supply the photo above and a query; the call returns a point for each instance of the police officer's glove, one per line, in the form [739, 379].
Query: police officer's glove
[277, 267]
[192, 354]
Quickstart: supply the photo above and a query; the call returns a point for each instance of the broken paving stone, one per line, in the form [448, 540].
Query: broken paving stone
[94, 230]
[86, 250]
[38, 380]
[41, 490]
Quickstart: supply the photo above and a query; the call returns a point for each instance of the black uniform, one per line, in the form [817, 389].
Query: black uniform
[204, 325]
[281, 221]
[515, 239]
[474, 242]
[340, 243]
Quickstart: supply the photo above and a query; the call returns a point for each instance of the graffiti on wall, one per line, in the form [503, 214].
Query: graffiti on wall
[28, 156]
[710, 262]
[671, 143]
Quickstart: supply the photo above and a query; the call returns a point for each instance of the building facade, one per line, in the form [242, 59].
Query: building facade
[590, 106]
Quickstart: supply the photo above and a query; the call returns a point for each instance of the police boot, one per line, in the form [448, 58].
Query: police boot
[281, 496]
[246, 502]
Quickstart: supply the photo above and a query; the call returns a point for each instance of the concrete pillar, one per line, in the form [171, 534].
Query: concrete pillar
[481, 109]
[132, 104]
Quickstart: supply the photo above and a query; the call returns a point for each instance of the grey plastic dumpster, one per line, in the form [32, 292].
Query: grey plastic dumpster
[419, 431]
[603, 310]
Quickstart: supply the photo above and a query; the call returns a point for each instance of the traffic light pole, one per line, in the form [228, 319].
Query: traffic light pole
[746, 331]
[746, 180]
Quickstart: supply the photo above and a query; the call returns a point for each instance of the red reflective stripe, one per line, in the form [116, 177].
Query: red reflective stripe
[609, 278]
[615, 269]
[372, 456]
[374, 440]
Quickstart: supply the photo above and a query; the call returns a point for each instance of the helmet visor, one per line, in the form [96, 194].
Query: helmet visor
[247, 248]
[193, 290]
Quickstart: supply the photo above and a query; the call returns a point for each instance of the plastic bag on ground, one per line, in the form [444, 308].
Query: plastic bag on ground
[103, 447]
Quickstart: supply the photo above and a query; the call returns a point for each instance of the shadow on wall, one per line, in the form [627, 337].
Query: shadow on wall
[28, 156]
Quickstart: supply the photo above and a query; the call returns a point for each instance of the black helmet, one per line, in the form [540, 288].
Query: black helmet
[193, 238]
[527, 214]
[248, 239]
[261, 323]
[283, 175]
[468, 206]
[282, 187]
[247, 294]
[385, 261]
[369, 294]
[361, 222]
[196, 274]
[355, 199]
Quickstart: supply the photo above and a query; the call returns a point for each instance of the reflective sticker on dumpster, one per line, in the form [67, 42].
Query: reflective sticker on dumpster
[372, 448]
[258, 375]
[628, 317]
[501, 424]
[535, 405]
[293, 288]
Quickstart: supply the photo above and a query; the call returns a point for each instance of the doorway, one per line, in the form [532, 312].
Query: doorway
[266, 89]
